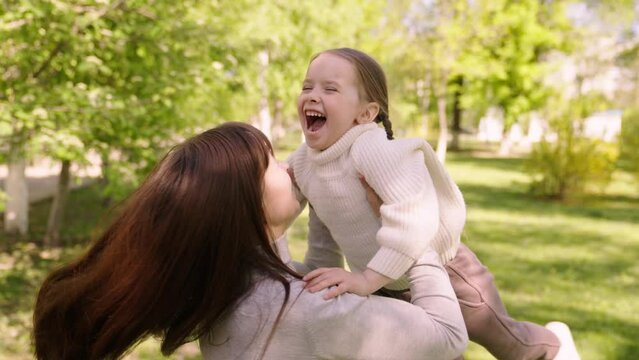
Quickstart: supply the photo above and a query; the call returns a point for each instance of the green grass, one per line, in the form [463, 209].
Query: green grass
[573, 262]
[576, 263]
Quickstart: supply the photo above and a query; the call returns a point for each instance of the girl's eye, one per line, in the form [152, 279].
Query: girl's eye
[331, 89]
[306, 88]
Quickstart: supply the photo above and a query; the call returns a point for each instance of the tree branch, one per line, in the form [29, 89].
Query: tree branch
[48, 60]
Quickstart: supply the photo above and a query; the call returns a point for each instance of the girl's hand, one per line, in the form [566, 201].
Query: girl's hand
[342, 280]
[362, 284]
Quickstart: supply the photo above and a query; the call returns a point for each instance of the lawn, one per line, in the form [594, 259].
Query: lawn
[577, 263]
[572, 262]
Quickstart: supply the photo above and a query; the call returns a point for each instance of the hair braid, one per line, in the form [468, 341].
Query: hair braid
[388, 126]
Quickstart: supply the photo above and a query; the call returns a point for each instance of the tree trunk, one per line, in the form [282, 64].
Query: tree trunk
[264, 113]
[457, 113]
[16, 214]
[278, 122]
[423, 94]
[443, 128]
[52, 236]
[505, 146]
[107, 200]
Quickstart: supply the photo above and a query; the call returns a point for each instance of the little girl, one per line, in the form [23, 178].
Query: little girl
[343, 96]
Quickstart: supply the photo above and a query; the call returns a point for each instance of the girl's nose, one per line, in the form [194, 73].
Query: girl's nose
[313, 96]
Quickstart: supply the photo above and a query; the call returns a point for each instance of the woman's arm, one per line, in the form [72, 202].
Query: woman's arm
[373, 327]
[322, 249]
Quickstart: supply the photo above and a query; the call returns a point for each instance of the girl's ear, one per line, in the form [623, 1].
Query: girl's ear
[369, 113]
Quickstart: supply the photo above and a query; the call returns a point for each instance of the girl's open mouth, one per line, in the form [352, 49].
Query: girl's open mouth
[314, 120]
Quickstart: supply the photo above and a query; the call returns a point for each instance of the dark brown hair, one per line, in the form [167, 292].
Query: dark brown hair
[179, 256]
[372, 79]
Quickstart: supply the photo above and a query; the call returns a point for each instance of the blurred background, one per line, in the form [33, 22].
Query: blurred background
[532, 104]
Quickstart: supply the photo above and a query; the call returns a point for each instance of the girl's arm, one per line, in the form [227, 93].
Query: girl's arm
[410, 216]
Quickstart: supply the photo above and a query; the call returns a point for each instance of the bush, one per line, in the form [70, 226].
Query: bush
[571, 164]
[629, 142]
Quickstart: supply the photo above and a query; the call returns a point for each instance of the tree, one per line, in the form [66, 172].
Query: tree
[109, 77]
[271, 44]
[504, 64]
[437, 30]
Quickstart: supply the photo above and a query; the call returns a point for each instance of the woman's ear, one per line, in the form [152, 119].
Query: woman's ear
[369, 113]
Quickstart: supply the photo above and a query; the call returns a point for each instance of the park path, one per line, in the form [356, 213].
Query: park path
[42, 179]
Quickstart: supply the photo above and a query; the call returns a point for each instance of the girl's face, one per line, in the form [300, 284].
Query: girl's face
[280, 204]
[329, 104]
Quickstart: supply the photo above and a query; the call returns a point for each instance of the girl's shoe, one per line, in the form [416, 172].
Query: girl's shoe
[567, 350]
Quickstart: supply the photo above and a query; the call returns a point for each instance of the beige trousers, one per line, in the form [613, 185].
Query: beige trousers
[486, 318]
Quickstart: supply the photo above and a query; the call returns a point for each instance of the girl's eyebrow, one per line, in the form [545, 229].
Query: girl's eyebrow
[327, 82]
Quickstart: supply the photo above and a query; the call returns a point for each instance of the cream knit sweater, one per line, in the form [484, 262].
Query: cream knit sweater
[422, 205]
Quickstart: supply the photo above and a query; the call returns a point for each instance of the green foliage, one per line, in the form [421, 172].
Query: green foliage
[630, 140]
[568, 164]
[503, 63]
[114, 78]
[570, 167]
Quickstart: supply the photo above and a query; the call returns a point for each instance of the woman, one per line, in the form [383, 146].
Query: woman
[193, 256]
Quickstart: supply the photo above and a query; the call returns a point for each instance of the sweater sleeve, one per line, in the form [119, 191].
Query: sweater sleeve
[410, 213]
[374, 327]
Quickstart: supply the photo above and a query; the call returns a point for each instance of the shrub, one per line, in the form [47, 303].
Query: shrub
[629, 142]
[570, 164]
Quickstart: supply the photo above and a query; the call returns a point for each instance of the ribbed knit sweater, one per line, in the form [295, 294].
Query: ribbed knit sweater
[422, 206]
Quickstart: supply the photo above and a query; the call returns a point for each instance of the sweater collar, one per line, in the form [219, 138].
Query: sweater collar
[341, 145]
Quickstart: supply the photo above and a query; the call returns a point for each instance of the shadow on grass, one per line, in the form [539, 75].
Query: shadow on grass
[605, 207]
[496, 163]
[566, 273]
[591, 329]
[588, 256]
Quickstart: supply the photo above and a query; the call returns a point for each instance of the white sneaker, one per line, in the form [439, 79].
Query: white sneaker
[567, 350]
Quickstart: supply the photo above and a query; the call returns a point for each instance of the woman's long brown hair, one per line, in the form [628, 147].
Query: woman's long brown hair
[179, 256]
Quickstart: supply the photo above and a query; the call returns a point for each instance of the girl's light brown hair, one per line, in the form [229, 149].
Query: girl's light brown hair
[372, 80]
[178, 257]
